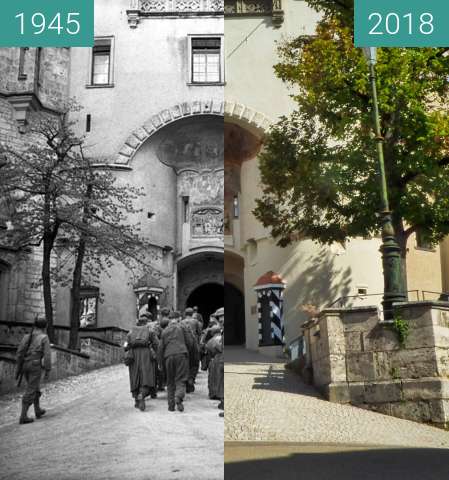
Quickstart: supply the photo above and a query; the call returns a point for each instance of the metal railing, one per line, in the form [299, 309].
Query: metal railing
[413, 295]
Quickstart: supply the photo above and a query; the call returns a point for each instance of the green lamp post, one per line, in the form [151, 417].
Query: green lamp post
[394, 290]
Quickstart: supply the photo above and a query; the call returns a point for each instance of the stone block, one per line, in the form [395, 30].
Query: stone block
[383, 408]
[354, 342]
[425, 389]
[380, 338]
[443, 319]
[337, 392]
[440, 336]
[422, 336]
[411, 410]
[442, 361]
[360, 367]
[357, 393]
[126, 151]
[338, 367]
[383, 392]
[149, 127]
[417, 362]
[132, 141]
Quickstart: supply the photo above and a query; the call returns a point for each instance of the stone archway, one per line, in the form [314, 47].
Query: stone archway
[208, 298]
[196, 270]
[254, 121]
[162, 119]
[234, 322]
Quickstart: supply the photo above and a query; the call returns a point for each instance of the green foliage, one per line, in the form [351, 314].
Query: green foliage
[401, 328]
[343, 10]
[395, 373]
[319, 166]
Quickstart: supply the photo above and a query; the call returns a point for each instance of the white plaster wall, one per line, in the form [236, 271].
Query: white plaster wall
[150, 73]
[314, 274]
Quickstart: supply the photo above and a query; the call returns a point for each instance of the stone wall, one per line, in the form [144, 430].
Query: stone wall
[47, 77]
[22, 297]
[94, 354]
[11, 333]
[357, 359]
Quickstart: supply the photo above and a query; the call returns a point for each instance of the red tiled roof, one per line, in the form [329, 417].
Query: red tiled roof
[269, 278]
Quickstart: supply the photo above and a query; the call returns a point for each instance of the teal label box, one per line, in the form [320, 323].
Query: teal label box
[401, 23]
[47, 23]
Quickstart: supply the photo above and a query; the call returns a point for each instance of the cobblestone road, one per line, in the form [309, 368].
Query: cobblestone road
[265, 402]
[92, 431]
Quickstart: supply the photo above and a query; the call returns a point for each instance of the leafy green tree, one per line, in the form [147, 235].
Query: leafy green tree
[319, 167]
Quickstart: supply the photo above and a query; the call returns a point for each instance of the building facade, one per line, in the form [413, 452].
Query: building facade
[151, 92]
[176, 98]
[312, 274]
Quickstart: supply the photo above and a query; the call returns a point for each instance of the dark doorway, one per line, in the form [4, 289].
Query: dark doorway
[152, 307]
[208, 298]
[234, 316]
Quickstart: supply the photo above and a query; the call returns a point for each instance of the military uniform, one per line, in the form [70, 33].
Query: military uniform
[174, 351]
[193, 328]
[160, 368]
[30, 362]
[142, 371]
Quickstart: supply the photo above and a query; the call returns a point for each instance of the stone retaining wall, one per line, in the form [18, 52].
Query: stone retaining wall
[95, 353]
[355, 358]
[11, 333]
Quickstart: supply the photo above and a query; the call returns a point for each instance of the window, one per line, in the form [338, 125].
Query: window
[206, 60]
[101, 63]
[423, 240]
[236, 206]
[22, 58]
[101, 60]
[185, 209]
[89, 306]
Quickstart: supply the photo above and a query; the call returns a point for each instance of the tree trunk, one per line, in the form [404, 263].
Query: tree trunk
[46, 282]
[77, 275]
[50, 233]
[76, 287]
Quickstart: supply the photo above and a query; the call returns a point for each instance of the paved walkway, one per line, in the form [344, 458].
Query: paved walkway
[92, 431]
[265, 402]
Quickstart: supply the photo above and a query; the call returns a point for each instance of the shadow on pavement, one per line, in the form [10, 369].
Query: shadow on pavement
[334, 463]
[283, 381]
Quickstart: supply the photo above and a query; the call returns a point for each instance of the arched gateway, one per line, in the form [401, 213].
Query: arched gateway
[178, 162]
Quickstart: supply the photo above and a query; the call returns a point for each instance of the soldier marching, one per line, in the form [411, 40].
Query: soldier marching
[182, 344]
[162, 353]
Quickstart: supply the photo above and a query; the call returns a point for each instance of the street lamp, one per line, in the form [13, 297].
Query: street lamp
[394, 290]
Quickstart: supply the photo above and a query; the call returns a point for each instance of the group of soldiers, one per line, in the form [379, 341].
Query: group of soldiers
[166, 351]
[169, 350]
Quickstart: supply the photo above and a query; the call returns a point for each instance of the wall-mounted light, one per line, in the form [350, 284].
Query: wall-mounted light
[166, 249]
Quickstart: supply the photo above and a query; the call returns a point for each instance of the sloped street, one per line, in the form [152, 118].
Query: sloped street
[278, 427]
[92, 431]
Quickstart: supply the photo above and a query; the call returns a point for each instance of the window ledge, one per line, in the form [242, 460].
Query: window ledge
[424, 249]
[205, 84]
[106, 85]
